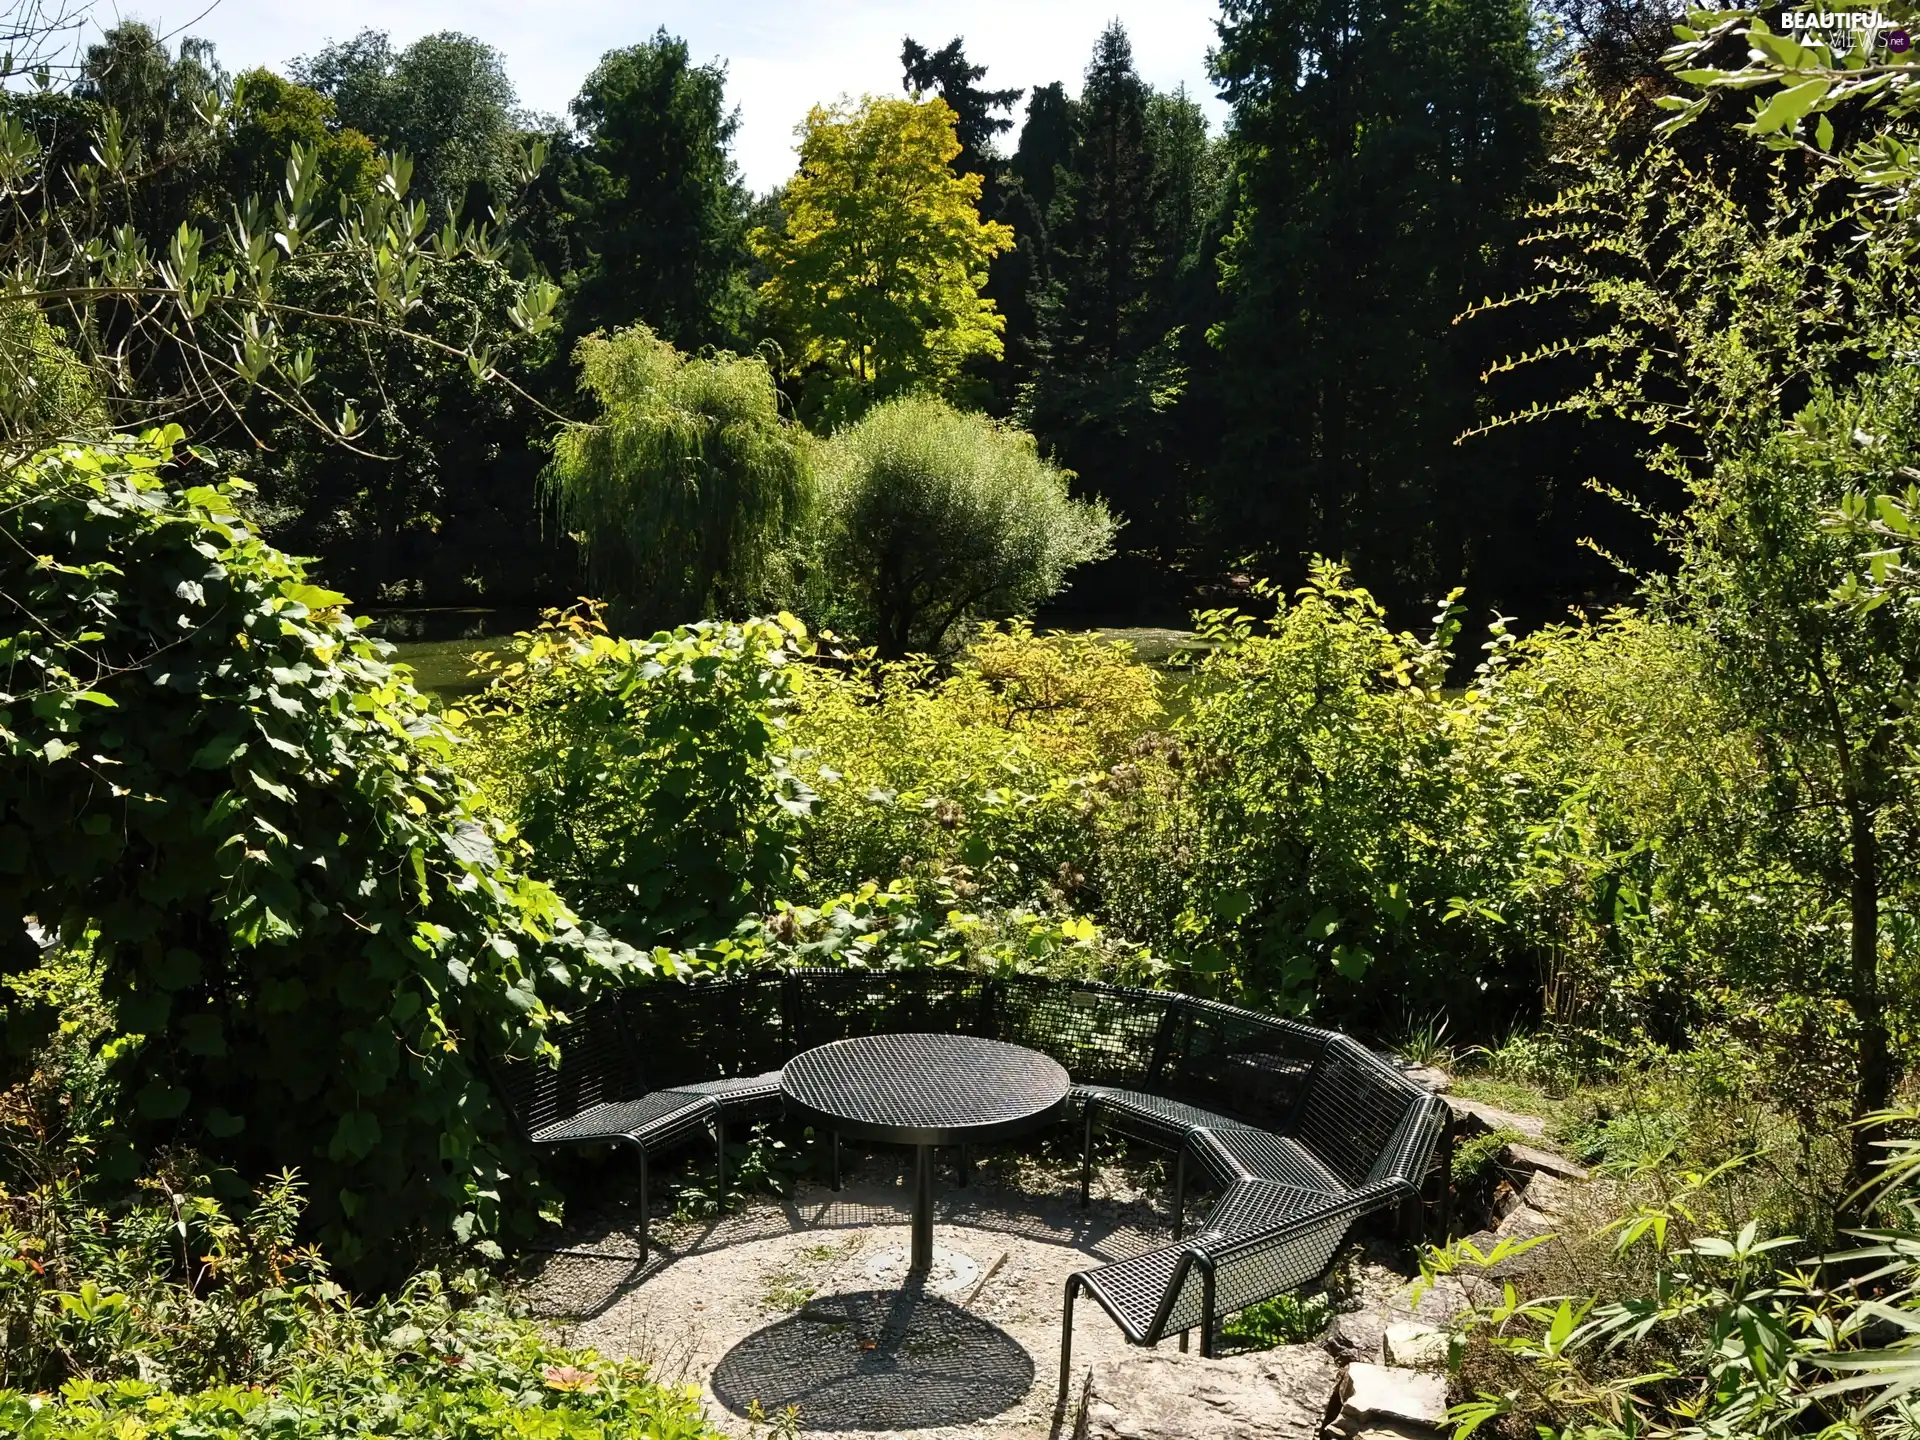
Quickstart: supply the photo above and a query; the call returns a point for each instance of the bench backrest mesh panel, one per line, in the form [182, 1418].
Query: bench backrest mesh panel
[708, 1029]
[596, 1066]
[1253, 1067]
[1354, 1107]
[827, 1005]
[1102, 1034]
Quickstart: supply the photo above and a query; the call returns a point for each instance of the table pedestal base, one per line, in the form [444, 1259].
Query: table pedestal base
[922, 1260]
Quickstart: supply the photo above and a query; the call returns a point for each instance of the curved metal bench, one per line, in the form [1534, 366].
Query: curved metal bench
[1303, 1129]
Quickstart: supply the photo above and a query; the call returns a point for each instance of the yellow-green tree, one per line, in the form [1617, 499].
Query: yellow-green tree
[876, 276]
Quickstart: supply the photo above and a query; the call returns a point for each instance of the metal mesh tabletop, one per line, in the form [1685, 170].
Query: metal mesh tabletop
[925, 1089]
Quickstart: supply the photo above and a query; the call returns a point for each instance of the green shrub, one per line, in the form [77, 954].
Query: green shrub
[932, 517]
[1689, 1316]
[303, 929]
[1283, 1320]
[898, 926]
[987, 779]
[1474, 1161]
[1333, 829]
[647, 778]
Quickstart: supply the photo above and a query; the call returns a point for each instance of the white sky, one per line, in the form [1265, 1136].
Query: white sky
[782, 57]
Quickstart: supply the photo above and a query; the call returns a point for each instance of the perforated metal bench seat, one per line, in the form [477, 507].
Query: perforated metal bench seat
[654, 1119]
[1146, 1116]
[1133, 1290]
[745, 1097]
[1228, 1149]
[596, 1096]
[1230, 1153]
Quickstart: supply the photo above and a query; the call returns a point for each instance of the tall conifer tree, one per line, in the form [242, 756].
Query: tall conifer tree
[1385, 150]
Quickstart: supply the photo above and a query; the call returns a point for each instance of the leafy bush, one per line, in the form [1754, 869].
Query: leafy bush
[1331, 829]
[1685, 1318]
[185, 1306]
[303, 929]
[897, 927]
[647, 778]
[932, 517]
[986, 779]
[438, 1358]
[1475, 1161]
[1283, 1320]
[687, 489]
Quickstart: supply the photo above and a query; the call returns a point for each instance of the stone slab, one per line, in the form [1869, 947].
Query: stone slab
[1280, 1394]
[1531, 1157]
[1356, 1335]
[1373, 1396]
[1551, 1195]
[1410, 1345]
[1492, 1117]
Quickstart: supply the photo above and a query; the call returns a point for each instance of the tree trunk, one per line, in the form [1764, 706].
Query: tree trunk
[1874, 1089]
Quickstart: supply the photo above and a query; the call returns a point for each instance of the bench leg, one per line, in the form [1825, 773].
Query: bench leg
[645, 1216]
[1066, 1348]
[836, 1162]
[720, 1149]
[1086, 1157]
[966, 1165]
[1180, 1204]
[1206, 1316]
[1183, 1340]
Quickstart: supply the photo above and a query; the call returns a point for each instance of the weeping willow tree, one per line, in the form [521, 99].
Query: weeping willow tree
[688, 490]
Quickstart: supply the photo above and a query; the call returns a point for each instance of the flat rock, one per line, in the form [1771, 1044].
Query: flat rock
[1532, 1157]
[1550, 1195]
[1410, 1345]
[1375, 1396]
[1492, 1117]
[1356, 1335]
[1280, 1394]
[1525, 1223]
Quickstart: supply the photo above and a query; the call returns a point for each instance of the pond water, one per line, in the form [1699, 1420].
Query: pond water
[440, 643]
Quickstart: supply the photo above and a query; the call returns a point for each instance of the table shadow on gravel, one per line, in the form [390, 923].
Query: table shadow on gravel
[877, 1360]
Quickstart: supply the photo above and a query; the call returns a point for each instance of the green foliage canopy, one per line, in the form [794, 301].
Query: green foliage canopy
[445, 100]
[877, 274]
[686, 492]
[663, 212]
[648, 778]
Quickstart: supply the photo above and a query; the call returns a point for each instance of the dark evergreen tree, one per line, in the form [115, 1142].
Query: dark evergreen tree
[1386, 148]
[1102, 217]
[662, 214]
[1109, 365]
[947, 73]
[1027, 292]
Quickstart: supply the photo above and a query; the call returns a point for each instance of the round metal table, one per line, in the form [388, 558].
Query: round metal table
[923, 1091]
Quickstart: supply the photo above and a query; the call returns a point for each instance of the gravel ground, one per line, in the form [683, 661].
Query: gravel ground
[801, 1301]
